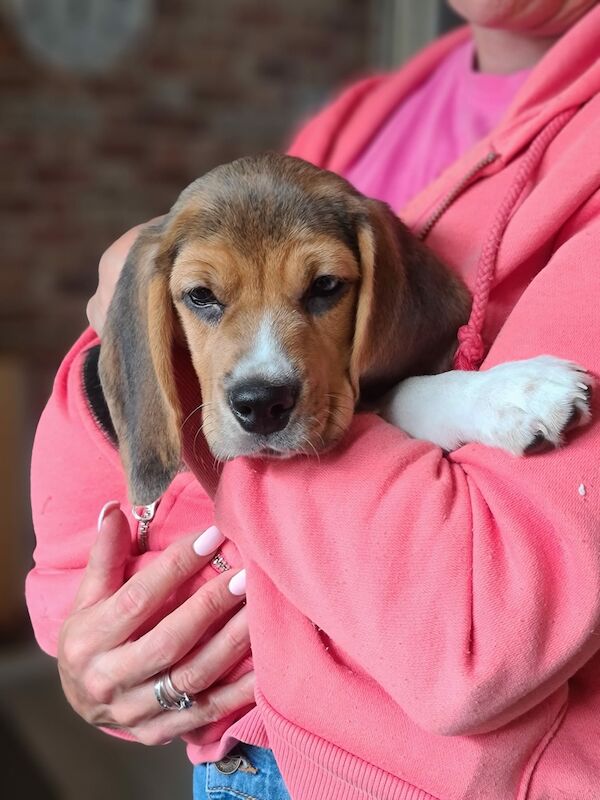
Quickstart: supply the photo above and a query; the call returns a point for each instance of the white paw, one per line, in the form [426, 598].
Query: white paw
[522, 406]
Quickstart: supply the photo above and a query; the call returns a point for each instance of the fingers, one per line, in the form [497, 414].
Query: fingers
[147, 591]
[109, 679]
[175, 635]
[197, 672]
[106, 565]
[95, 319]
[211, 706]
[111, 264]
[109, 269]
[214, 658]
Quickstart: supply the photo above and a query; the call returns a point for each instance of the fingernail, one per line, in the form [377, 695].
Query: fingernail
[105, 509]
[237, 585]
[209, 541]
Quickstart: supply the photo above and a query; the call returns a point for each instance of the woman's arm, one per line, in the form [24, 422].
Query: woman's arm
[467, 585]
[75, 470]
[107, 677]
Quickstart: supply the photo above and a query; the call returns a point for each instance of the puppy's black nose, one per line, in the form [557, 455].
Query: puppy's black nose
[262, 407]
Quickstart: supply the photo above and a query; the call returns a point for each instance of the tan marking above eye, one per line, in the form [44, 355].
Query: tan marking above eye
[309, 260]
[330, 255]
[212, 267]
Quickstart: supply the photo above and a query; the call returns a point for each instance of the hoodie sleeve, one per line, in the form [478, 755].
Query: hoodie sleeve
[75, 470]
[467, 585]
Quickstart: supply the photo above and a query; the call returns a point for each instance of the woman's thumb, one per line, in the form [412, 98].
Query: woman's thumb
[105, 571]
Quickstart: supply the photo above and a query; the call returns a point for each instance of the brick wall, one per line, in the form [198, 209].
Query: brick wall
[83, 159]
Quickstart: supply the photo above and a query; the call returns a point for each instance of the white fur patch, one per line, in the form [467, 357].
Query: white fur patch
[265, 359]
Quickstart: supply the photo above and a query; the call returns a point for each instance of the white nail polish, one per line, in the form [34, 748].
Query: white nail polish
[209, 541]
[105, 509]
[237, 585]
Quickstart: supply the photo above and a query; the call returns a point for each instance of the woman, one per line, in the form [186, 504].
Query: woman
[423, 626]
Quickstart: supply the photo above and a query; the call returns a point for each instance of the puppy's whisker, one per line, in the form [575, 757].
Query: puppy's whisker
[313, 448]
[337, 395]
[191, 414]
[207, 431]
[321, 439]
[198, 432]
[334, 394]
[343, 402]
[217, 456]
[316, 433]
[332, 418]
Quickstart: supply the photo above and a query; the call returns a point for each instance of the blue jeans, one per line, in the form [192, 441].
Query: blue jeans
[247, 773]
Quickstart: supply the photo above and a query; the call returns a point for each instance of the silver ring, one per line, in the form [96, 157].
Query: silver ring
[159, 694]
[168, 697]
[182, 699]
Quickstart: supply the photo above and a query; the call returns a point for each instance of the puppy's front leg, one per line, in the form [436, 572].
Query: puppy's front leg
[515, 406]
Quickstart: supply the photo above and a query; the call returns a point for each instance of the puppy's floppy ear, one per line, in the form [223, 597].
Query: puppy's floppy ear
[136, 369]
[410, 305]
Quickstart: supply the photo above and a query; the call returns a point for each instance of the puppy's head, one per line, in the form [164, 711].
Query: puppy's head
[295, 296]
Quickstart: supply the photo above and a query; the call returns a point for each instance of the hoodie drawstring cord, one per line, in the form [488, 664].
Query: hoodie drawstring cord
[471, 349]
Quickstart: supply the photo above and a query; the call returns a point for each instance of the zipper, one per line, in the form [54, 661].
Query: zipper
[144, 516]
[447, 201]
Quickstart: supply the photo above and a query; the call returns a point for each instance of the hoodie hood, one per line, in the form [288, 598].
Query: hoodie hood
[564, 79]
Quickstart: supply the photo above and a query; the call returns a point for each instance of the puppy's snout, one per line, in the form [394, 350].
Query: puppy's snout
[263, 407]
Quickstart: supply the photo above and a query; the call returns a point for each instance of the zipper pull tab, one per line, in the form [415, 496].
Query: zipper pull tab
[144, 516]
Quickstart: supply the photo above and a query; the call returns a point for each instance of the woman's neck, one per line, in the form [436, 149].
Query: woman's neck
[504, 51]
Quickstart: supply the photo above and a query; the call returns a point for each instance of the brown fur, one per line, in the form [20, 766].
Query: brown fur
[257, 232]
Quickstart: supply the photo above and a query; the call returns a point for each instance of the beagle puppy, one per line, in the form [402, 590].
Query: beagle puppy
[298, 299]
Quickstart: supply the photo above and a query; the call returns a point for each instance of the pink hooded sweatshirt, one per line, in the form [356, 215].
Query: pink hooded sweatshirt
[425, 626]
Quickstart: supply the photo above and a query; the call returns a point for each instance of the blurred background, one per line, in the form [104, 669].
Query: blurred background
[108, 108]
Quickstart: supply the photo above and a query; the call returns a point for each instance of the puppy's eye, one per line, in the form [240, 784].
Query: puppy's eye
[201, 296]
[203, 302]
[325, 286]
[323, 293]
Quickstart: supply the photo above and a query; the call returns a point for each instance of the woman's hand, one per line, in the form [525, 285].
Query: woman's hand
[108, 678]
[109, 269]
